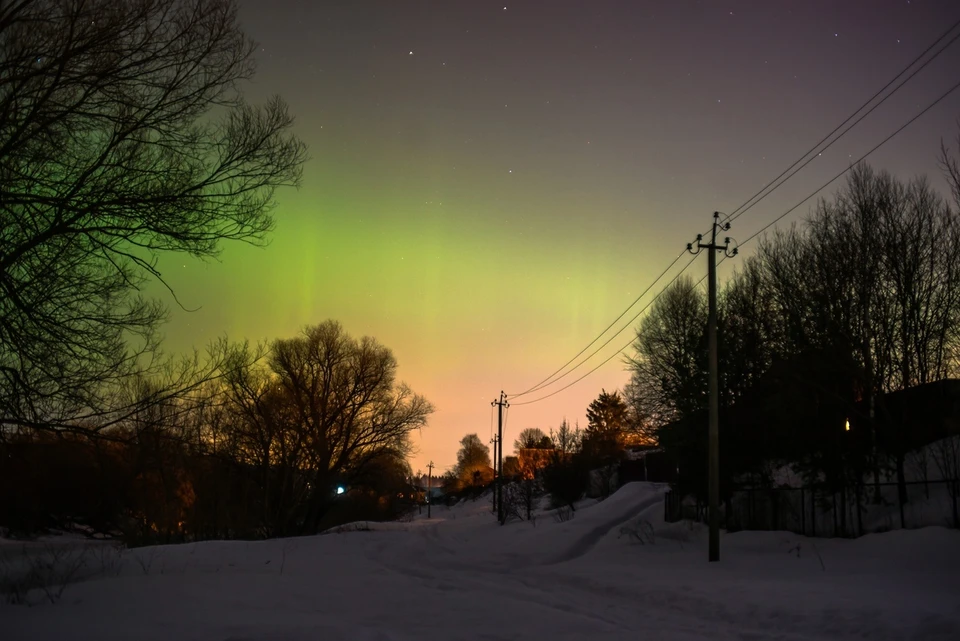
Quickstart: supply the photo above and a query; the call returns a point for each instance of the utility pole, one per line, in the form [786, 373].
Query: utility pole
[495, 440]
[498, 463]
[713, 455]
[429, 485]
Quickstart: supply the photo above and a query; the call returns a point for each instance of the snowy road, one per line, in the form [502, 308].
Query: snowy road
[461, 576]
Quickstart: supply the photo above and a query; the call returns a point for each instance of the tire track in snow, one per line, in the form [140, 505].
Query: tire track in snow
[587, 542]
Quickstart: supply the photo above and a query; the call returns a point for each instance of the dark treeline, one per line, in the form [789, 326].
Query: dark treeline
[259, 451]
[825, 323]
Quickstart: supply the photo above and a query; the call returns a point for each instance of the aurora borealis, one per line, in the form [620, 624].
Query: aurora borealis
[490, 185]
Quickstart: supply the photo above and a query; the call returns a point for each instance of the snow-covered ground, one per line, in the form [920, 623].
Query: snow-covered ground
[460, 575]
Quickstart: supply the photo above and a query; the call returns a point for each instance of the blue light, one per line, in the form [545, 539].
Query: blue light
[340, 489]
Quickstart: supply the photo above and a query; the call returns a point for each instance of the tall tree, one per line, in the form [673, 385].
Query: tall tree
[325, 409]
[870, 284]
[607, 413]
[473, 461]
[123, 136]
[668, 372]
[608, 417]
[566, 439]
[532, 438]
[751, 334]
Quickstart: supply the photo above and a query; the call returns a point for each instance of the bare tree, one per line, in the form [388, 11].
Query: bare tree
[920, 461]
[950, 166]
[261, 431]
[519, 499]
[566, 439]
[325, 409]
[946, 455]
[532, 438]
[752, 335]
[871, 280]
[123, 136]
[667, 373]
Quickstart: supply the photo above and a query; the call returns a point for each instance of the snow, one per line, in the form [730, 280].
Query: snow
[459, 575]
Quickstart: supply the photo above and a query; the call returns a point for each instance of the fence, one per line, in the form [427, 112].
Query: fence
[815, 511]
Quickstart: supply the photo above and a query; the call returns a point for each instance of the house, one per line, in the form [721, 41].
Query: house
[647, 463]
[533, 460]
[428, 487]
[825, 423]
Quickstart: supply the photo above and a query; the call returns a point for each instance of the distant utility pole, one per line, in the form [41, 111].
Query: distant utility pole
[429, 485]
[495, 440]
[714, 443]
[498, 462]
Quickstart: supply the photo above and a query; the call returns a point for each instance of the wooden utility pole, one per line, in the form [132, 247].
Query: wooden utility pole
[713, 456]
[429, 485]
[498, 462]
[495, 440]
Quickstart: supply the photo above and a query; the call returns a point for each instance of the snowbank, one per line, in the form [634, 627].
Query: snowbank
[460, 575]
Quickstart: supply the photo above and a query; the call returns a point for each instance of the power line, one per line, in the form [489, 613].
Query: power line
[506, 418]
[854, 164]
[619, 351]
[753, 201]
[743, 208]
[547, 381]
[491, 421]
[751, 237]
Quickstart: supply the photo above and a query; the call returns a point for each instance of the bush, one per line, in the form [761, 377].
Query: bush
[563, 514]
[565, 481]
[50, 569]
[519, 498]
[638, 530]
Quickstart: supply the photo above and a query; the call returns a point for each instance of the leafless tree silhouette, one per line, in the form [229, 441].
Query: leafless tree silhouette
[123, 136]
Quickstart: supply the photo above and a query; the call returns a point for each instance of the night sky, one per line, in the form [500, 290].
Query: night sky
[490, 185]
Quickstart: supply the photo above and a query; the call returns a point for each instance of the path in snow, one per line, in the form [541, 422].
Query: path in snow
[586, 542]
[463, 576]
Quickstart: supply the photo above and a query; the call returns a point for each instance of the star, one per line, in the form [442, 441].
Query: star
[411, 53]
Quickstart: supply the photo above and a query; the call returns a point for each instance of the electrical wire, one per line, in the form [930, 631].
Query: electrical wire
[491, 421]
[506, 416]
[751, 202]
[547, 381]
[747, 205]
[832, 180]
[619, 351]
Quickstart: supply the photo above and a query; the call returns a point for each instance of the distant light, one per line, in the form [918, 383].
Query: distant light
[340, 489]
[847, 428]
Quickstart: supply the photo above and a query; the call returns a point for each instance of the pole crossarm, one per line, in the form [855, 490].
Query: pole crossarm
[698, 245]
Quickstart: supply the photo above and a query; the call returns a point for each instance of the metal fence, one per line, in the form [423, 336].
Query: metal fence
[816, 511]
